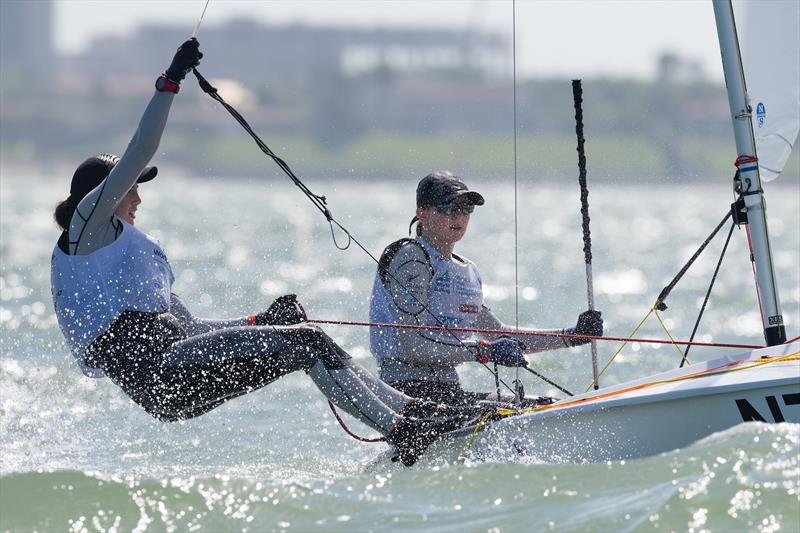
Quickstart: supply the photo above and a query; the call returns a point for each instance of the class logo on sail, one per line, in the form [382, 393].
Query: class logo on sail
[761, 114]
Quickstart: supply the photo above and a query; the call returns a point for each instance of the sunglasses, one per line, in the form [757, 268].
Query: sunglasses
[452, 209]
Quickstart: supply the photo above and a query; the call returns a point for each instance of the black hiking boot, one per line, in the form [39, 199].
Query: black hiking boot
[412, 435]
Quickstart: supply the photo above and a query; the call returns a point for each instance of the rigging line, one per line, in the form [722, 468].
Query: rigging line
[319, 202]
[660, 305]
[516, 203]
[537, 333]
[755, 278]
[200, 20]
[708, 293]
[349, 431]
[556, 385]
[666, 330]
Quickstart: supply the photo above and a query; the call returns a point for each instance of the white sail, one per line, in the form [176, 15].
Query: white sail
[769, 35]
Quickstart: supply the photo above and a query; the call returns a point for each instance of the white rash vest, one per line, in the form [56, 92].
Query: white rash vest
[90, 291]
[438, 291]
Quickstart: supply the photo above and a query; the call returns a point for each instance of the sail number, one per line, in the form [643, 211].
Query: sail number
[750, 413]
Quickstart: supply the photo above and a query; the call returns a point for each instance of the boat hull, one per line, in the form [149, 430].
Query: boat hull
[639, 418]
[628, 431]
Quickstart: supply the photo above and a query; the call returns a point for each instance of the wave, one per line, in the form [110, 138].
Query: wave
[746, 478]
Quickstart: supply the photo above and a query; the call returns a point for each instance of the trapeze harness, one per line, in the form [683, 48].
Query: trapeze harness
[455, 299]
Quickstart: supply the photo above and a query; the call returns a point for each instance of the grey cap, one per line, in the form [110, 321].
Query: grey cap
[443, 187]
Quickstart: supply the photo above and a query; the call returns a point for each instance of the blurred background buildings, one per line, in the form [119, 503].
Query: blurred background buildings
[357, 102]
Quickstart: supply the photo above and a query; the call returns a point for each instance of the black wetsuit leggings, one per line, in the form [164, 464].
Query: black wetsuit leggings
[174, 377]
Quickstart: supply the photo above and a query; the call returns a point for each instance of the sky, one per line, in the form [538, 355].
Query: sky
[574, 38]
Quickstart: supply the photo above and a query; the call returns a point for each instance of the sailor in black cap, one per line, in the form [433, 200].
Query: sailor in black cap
[422, 282]
[111, 286]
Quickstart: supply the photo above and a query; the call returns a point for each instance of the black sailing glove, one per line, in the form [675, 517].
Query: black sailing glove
[284, 311]
[589, 323]
[186, 58]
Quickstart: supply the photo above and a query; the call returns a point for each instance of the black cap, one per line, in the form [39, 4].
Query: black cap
[443, 187]
[94, 170]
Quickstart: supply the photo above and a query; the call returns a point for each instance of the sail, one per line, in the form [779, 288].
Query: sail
[769, 35]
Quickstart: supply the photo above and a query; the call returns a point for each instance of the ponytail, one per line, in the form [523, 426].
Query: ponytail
[63, 213]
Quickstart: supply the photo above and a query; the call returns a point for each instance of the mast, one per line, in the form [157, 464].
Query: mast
[747, 163]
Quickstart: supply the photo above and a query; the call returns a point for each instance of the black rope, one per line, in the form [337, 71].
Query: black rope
[577, 94]
[577, 97]
[660, 305]
[685, 359]
[319, 201]
[556, 385]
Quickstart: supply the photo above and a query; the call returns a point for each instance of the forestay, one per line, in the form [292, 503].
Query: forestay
[769, 35]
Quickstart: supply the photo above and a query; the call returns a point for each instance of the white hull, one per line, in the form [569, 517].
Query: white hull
[642, 417]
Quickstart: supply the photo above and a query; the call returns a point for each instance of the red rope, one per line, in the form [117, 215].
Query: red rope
[347, 430]
[532, 334]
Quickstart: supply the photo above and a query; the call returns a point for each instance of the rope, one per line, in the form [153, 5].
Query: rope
[534, 334]
[755, 277]
[716, 371]
[347, 429]
[538, 375]
[664, 327]
[319, 202]
[708, 293]
[517, 388]
[577, 96]
[666, 290]
[623, 345]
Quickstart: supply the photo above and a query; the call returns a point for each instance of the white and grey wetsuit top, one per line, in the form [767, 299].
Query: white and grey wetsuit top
[440, 292]
[91, 291]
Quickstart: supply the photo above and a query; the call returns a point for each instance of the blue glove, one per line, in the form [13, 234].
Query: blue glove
[503, 351]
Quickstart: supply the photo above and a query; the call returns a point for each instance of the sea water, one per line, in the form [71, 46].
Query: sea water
[77, 455]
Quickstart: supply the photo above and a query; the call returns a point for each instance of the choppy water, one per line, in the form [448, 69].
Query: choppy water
[76, 454]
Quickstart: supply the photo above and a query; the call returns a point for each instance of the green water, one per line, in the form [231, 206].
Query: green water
[76, 454]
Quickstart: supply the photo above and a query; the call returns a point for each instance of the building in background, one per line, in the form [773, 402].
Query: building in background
[27, 53]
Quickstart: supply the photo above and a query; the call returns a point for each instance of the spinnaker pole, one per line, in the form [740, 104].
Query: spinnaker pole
[747, 163]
